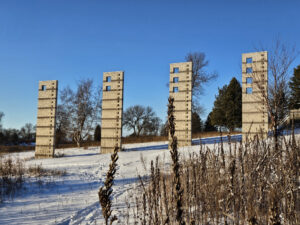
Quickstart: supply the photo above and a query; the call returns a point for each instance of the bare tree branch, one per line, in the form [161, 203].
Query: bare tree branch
[141, 120]
[83, 108]
[199, 77]
[280, 58]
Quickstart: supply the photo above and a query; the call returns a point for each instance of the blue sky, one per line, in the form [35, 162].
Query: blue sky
[70, 40]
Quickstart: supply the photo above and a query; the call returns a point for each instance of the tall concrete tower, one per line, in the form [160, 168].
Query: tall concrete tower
[112, 111]
[254, 97]
[181, 91]
[46, 116]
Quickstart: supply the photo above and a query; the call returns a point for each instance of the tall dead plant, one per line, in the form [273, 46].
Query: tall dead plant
[105, 192]
[176, 165]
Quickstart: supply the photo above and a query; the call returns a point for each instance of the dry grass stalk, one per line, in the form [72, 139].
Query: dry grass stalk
[105, 192]
[176, 166]
[259, 185]
[39, 171]
[13, 175]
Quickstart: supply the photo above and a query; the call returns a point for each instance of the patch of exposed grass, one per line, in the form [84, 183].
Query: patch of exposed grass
[13, 174]
[39, 171]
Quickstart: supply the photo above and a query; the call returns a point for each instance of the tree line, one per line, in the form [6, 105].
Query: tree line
[23, 136]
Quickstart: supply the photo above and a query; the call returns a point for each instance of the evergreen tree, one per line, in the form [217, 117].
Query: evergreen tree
[218, 112]
[234, 105]
[208, 125]
[227, 111]
[196, 123]
[1, 137]
[97, 133]
[294, 84]
[1, 116]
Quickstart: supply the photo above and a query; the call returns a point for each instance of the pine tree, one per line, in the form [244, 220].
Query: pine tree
[97, 133]
[233, 104]
[208, 125]
[196, 123]
[227, 111]
[218, 112]
[294, 84]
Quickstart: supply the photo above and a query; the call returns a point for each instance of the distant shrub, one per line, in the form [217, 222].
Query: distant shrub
[13, 174]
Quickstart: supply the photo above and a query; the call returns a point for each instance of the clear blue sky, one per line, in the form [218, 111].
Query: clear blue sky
[70, 40]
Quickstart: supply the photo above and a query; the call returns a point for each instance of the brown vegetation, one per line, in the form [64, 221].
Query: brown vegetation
[258, 185]
[105, 192]
[213, 134]
[176, 167]
[251, 183]
[144, 139]
[13, 174]
[15, 148]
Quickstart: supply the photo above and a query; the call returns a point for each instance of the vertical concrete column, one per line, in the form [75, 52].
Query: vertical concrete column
[293, 115]
[181, 91]
[255, 91]
[46, 115]
[112, 111]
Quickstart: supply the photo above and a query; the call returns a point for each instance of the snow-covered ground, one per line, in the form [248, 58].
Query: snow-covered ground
[73, 198]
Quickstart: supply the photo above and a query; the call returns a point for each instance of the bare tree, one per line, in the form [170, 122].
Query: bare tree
[27, 132]
[280, 58]
[82, 108]
[62, 124]
[199, 77]
[164, 129]
[142, 120]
